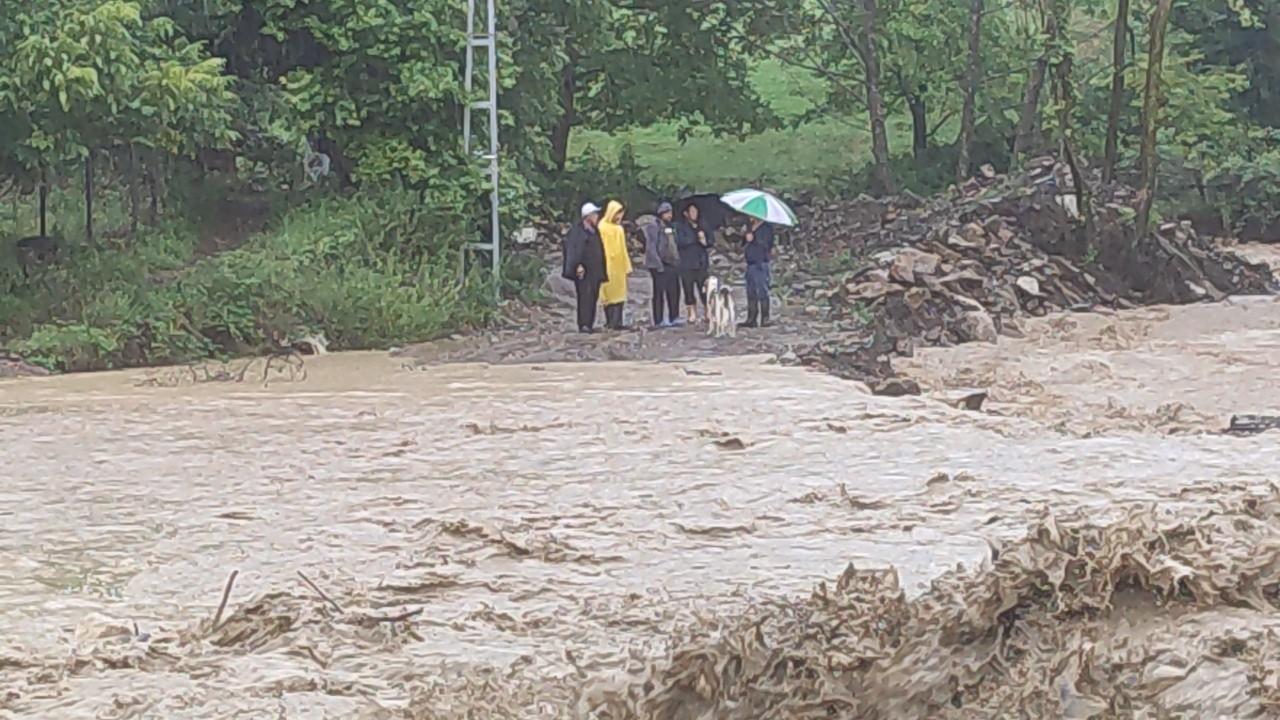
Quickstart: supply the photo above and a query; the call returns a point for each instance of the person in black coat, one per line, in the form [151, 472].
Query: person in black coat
[694, 241]
[662, 259]
[584, 265]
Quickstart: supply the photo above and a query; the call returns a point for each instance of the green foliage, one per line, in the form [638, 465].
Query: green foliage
[70, 347]
[84, 75]
[368, 271]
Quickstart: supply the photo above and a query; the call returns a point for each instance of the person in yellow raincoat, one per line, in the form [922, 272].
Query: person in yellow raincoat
[613, 294]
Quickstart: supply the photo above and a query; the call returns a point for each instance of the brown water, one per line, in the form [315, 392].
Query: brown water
[554, 523]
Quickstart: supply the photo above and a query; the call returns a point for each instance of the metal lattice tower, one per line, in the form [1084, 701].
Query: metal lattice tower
[488, 41]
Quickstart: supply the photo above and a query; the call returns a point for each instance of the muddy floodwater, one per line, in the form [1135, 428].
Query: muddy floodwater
[497, 530]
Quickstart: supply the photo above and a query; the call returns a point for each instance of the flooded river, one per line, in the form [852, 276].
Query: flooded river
[546, 525]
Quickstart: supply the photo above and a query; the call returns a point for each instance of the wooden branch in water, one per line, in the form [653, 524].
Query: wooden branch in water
[226, 595]
[320, 592]
[401, 617]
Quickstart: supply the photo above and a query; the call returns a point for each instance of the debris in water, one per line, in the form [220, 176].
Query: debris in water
[731, 443]
[1058, 624]
[895, 387]
[1253, 424]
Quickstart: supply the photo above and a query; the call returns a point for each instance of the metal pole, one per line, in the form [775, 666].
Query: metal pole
[467, 79]
[493, 148]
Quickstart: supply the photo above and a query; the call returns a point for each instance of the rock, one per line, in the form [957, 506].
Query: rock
[1012, 329]
[895, 387]
[526, 236]
[915, 297]
[812, 310]
[987, 171]
[909, 262]
[871, 290]
[959, 241]
[977, 326]
[964, 399]
[1070, 204]
[974, 234]
[1029, 285]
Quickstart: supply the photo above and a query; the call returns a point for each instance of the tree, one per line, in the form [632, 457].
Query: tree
[1030, 111]
[1117, 90]
[89, 77]
[875, 105]
[974, 78]
[1150, 115]
[607, 64]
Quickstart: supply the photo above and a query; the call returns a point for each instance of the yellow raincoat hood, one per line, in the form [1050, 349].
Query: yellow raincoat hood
[616, 259]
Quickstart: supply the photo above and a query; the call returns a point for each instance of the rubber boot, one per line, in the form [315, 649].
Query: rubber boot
[764, 311]
[753, 315]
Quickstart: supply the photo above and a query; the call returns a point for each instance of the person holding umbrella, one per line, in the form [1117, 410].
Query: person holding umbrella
[758, 252]
[584, 265]
[764, 211]
[694, 242]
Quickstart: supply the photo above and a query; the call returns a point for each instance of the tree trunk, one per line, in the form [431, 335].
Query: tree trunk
[875, 101]
[1150, 115]
[1066, 103]
[568, 114]
[919, 124]
[968, 117]
[1030, 108]
[44, 202]
[1117, 91]
[135, 190]
[153, 189]
[88, 197]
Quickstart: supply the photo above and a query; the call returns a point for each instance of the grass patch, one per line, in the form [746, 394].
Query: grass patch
[803, 157]
[368, 271]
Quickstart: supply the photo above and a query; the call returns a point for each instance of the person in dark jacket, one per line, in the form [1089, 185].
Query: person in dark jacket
[584, 265]
[662, 260]
[758, 252]
[694, 242]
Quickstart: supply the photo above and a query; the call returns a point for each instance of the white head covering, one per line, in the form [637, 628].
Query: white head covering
[589, 208]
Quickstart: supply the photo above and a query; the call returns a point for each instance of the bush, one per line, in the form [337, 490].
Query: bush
[368, 271]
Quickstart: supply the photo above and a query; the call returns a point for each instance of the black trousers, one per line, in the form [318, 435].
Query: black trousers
[666, 295]
[695, 286]
[613, 316]
[588, 298]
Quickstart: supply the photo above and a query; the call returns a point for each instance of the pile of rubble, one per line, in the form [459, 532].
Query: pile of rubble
[964, 268]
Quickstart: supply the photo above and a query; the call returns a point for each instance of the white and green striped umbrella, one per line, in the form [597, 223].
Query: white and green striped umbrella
[760, 204]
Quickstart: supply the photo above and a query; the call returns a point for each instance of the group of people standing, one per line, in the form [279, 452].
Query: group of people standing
[677, 254]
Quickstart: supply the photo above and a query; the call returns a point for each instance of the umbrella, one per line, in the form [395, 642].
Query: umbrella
[711, 212]
[761, 205]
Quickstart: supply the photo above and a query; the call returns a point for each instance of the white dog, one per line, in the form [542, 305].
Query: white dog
[722, 316]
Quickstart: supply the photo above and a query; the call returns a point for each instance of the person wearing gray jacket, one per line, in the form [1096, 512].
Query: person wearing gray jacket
[662, 260]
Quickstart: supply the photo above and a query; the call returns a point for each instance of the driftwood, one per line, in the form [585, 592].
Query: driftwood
[226, 595]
